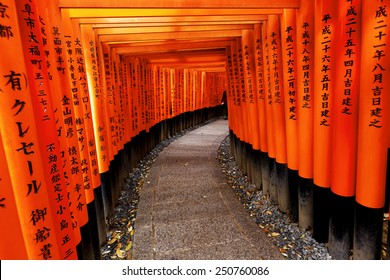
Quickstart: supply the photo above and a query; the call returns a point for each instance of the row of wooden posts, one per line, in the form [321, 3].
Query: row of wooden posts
[308, 115]
[309, 107]
[75, 119]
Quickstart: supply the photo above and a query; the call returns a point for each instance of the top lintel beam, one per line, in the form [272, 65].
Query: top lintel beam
[178, 19]
[156, 12]
[191, 4]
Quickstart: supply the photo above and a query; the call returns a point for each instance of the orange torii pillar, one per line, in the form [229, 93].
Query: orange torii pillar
[373, 130]
[230, 94]
[261, 95]
[65, 120]
[344, 139]
[25, 153]
[64, 109]
[231, 100]
[326, 47]
[305, 96]
[279, 182]
[94, 200]
[45, 82]
[289, 49]
[79, 97]
[241, 132]
[254, 171]
[242, 100]
[15, 250]
[99, 123]
[117, 126]
[237, 130]
[269, 161]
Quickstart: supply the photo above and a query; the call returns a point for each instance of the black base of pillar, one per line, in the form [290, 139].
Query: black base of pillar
[321, 214]
[293, 188]
[282, 187]
[108, 204]
[305, 204]
[114, 180]
[367, 233]
[232, 144]
[248, 161]
[387, 197]
[85, 248]
[388, 243]
[239, 153]
[94, 230]
[257, 174]
[99, 206]
[265, 172]
[243, 157]
[342, 210]
[273, 184]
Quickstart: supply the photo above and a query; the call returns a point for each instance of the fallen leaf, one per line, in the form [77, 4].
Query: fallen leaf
[112, 241]
[274, 234]
[132, 232]
[268, 212]
[129, 245]
[119, 253]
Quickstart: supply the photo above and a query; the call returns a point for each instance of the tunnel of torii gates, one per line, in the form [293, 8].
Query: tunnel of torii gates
[88, 88]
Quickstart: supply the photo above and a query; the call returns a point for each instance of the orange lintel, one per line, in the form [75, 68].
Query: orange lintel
[177, 19]
[172, 47]
[171, 35]
[165, 29]
[134, 12]
[262, 4]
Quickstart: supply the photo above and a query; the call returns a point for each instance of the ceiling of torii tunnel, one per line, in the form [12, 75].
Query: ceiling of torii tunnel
[192, 34]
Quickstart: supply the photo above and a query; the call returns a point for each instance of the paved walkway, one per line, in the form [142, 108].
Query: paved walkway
[187, 210]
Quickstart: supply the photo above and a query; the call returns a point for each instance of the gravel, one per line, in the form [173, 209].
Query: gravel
[293, 243]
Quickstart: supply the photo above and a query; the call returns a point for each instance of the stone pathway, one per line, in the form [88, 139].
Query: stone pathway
[187, 210]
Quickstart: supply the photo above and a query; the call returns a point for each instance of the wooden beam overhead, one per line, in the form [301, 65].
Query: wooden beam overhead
[172, 24]
[176, 19]
[188, 55]
[127, 12]
[192, 4]
[212, 69]
[166, 42]
[170, 36]
[185, 46]
[166, 29]
[192, 64]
